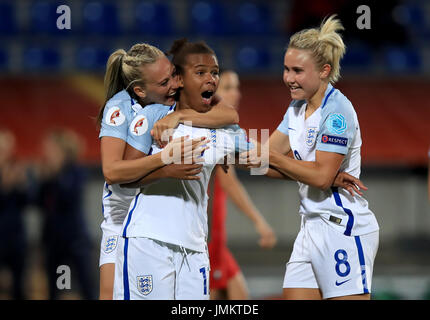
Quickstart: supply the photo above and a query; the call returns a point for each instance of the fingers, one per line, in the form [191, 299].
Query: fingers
[190, 171]
[351, 188]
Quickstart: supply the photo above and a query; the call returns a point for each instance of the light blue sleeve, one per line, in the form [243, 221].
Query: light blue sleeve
[283, 126]
[285, 123]
[115, 120]
[240, 138]
[139, 131]
[337, 127]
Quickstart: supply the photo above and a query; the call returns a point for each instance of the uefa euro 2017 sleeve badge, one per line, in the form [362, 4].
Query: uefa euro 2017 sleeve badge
[144, 284]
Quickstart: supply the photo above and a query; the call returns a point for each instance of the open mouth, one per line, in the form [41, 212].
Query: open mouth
[294, 88]
[171, 95]
[207, 96]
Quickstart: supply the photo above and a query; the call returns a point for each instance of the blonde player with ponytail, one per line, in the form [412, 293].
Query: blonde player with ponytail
[142, 78]
[334, 252]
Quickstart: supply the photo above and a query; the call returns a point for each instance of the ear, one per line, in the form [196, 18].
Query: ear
[180, 81]
[325, 72]
[139, 91]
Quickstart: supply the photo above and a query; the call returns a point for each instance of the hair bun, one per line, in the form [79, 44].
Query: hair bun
[177, 46]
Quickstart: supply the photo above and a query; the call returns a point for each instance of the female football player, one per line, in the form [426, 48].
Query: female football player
[163, 251]
[335, 249]
[134, 79]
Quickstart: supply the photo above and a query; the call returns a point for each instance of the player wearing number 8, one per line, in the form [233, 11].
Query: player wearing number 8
[335, 249]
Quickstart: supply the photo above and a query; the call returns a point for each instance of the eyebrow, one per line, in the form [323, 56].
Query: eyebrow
[165, 79]
[293, 67]
[206, 66]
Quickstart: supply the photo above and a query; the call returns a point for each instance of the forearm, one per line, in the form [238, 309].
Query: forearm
[239, 195]
[124, 171]
[276, 174]
[147, 180]
[242, 201]
[308, 172]
[218, 116]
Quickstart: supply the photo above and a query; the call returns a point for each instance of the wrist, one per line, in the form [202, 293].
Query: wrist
[274, 158]
[180, 116]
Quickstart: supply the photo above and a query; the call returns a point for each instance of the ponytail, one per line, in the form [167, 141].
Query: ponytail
[123, 70]
[325, 44]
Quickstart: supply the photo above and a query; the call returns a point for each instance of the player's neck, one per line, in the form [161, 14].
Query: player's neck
[182, 104]
[315, 101]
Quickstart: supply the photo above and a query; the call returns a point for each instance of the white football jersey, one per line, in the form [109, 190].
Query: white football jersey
[125, 119]
[173, 210]
[333, 127]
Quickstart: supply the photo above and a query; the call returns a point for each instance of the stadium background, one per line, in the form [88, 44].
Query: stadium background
[52, 78]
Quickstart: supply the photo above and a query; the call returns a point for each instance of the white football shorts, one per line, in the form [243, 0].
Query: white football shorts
[324, 258]
[148, 269]
[108, 248]
[111, 233]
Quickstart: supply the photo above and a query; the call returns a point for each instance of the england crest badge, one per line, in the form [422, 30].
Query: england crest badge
[311, 134]
[144, 284]
[110, 244]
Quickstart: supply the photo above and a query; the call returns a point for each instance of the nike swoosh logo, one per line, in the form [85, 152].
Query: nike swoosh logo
[340, 283]
[291, 129]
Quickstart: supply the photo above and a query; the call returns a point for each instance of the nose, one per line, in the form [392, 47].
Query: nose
[211, 79]
[174, 84]
[290, 77]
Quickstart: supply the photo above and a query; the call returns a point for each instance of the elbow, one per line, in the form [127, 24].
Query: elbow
[324, 183]
[110, 177]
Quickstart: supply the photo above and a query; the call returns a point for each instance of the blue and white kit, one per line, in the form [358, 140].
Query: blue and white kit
[120, 120]
[163, 254]
[337, 255]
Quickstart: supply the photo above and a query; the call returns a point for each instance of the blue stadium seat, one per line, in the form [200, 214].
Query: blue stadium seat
[358, 56]
[91, 58]
[400, 59]
[251, 18]
[100, 18]
[37, 58]
[8, 23]
[252, 58]
[411, 15]
[153, 18]
[43, 17]
[208, 18]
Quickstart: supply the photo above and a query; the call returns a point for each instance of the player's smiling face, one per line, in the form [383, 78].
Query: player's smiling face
[200, 81]
[160, 82]
[301, 75]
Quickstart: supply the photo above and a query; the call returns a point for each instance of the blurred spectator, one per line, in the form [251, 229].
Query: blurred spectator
[13, 199]
[65, 234]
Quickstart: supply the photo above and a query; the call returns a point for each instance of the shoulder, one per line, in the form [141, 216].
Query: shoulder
[338, 114]
[120, 99]
[117, 109]
[338, 103]
[154, 110]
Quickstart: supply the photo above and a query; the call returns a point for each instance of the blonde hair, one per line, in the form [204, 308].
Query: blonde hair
[123, 70]
[325, 44]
